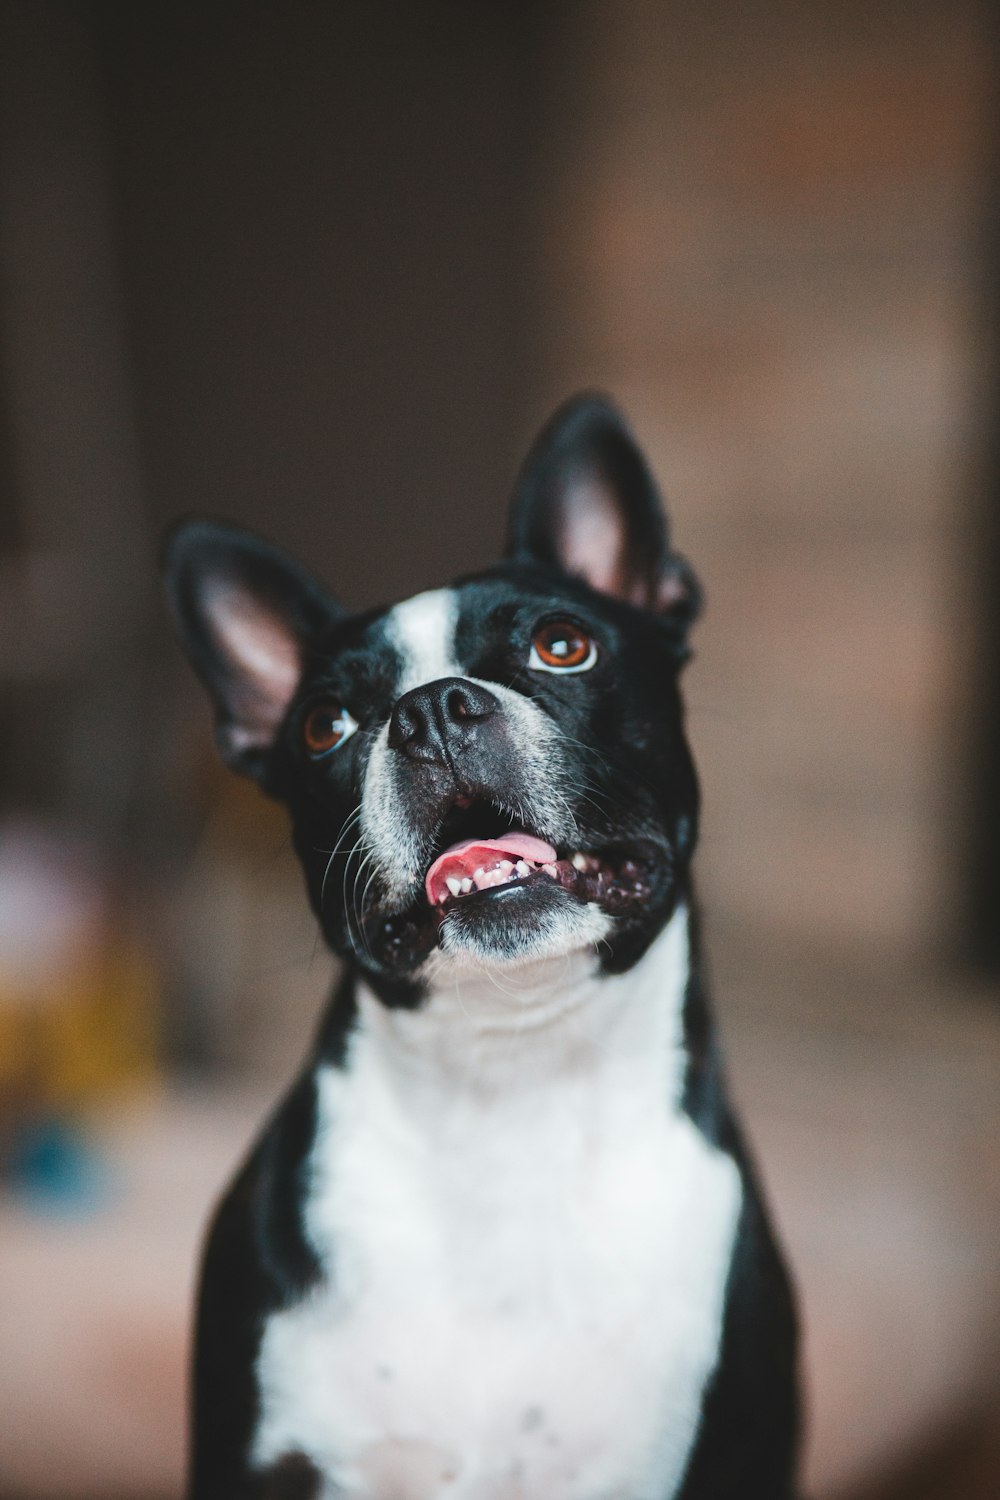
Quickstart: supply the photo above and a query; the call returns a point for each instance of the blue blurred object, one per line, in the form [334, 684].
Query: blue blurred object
[55, 1167]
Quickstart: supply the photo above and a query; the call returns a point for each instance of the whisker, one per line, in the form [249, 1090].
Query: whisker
[345, 827]
[361, 918]
[354, 931]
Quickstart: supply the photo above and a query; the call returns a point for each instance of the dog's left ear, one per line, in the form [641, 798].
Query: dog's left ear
[247, 614]
[585, 502]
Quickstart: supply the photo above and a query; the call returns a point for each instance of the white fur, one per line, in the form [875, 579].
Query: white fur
[422, 630]
[526, 1242]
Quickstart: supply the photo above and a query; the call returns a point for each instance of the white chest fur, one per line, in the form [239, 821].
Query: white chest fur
[527, 1244]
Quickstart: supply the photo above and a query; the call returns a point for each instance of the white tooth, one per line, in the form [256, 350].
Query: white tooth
[479, 878]
[466, 886]
[455, 886]
[550, 870]
[580, 862]
[505, 866]
[522, 868]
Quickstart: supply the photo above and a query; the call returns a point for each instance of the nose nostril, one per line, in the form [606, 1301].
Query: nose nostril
[465, 703]
[434, 722]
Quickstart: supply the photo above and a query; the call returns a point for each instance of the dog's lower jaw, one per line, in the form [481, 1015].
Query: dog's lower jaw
[554, 925]
[563, 931]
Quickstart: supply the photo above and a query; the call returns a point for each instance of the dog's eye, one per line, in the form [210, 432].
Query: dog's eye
[326, 727]
[561, 646]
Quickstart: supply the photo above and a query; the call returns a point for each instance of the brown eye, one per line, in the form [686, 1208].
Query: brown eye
[326, 727]
[561, 646]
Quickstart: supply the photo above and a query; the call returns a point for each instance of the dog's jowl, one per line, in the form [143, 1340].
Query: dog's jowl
[502, 1240]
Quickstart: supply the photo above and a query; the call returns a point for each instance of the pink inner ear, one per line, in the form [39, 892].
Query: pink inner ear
[592, 536]
[593, 542]
[264, 663]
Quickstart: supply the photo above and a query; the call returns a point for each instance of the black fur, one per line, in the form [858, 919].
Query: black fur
[635, 790]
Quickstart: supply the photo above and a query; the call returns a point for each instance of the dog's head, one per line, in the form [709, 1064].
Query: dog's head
[493, 772]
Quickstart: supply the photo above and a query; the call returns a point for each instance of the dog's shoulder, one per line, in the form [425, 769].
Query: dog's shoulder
[257, 1259]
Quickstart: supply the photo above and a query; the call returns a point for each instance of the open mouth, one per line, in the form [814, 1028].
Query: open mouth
[490, 861]
[491, 883]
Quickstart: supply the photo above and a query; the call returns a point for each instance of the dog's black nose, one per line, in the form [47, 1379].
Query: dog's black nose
[439, 720]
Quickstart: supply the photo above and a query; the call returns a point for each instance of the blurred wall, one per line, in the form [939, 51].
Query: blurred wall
[325, 212]
[766, 235]
[75, 559]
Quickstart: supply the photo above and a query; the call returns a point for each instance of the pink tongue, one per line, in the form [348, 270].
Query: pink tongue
[465, 859]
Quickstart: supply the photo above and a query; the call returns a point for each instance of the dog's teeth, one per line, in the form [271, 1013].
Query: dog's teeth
[479, 878]
[522, 868]
[466, 886]
[580, 862]
[455, 886]
[505, 866]
[551, 870]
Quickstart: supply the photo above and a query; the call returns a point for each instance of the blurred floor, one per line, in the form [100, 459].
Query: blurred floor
[881, 1152]
[873, 1100]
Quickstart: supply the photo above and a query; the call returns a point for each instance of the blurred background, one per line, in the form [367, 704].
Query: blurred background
[324, 268]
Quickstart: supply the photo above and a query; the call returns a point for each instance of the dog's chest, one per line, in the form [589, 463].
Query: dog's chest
[524, 1298]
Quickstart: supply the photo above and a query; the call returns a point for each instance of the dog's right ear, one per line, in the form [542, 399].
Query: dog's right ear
[246, 613]
[586, 503]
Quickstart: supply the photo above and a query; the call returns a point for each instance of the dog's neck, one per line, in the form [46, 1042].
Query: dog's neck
[489, 1035]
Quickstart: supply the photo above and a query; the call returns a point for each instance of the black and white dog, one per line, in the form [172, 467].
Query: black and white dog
[501, 1241]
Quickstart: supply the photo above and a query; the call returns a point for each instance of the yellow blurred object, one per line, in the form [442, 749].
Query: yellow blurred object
[79, 997]
[83, 1032]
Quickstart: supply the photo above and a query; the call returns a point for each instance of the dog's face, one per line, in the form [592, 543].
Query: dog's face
[489, 773]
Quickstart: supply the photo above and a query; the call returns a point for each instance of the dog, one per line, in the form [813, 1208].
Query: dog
[501, 1240]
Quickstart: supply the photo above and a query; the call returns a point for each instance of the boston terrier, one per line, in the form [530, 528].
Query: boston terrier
[501, 1240]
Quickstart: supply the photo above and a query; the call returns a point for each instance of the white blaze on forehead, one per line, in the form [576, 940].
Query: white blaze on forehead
[422, 630]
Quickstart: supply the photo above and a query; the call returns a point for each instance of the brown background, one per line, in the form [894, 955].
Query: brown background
[324, 269]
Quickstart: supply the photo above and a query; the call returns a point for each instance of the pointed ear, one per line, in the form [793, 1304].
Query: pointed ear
[246, 614]
[585, 502]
